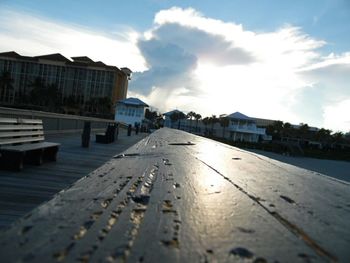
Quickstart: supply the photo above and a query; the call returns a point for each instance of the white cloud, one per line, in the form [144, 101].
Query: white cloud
[192, 62]
[337, 116]
[265, 74]
[33, 36]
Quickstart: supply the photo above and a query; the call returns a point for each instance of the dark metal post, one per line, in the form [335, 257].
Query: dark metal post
[129, 130]
[85, 137]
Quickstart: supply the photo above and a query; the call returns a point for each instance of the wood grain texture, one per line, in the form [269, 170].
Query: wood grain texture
[176, 197]
[30, 146]
[20, 192]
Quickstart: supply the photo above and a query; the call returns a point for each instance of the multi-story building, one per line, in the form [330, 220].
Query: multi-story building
[240, 127]
[80, 78]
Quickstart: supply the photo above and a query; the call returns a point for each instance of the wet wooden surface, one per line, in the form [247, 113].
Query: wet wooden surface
[176, 197]
[21, 192]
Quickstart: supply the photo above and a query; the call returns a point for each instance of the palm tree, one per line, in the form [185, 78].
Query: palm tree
[213, 120]
[5, 84]
[323, 135]
[275, 130]
[303, 130]
[224, 122]
[197, 117]
[287, 129]
[206, 122]
[191, 115]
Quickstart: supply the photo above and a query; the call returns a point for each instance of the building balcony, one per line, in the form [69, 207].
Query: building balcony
[247, 129]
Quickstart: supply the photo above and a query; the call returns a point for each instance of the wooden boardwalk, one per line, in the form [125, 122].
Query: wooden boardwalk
[177, 197]
[20, 192]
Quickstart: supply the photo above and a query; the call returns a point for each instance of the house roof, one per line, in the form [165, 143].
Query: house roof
[54, 57]
[10, 54]
[82, 61]
[133, 101]
[239, 116]
[171, 112]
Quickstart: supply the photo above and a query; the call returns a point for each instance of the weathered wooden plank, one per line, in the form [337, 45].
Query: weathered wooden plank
[8, 141]
[20, 127]
[19, 120]
[30, 146]
[44, 181]
[30, 121]
[167, 200]
[26, 133]
[306, 202]
[8, 120]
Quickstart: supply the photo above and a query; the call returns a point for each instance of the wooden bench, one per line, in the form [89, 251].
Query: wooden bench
[109, 136]
[22, 140]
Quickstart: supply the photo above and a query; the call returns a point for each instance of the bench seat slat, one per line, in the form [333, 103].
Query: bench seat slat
[21, 140]
[20, 133]
[8, 120]
[24, 121]
[20, 127]
[29, 121]
[29, 147]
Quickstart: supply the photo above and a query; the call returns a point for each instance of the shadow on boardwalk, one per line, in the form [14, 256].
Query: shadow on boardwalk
[20, 192]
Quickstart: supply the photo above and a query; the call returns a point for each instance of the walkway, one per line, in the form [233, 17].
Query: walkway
[177, 197]
[20, 192]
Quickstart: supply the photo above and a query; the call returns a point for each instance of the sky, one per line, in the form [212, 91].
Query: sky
[281, 60]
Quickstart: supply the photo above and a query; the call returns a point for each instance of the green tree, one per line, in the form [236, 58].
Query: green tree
[174, 118]
[151, 115]
[181, 117]
[99, 105]
[303, 131]
[323, 136]
[37, 93]
[275, 130]
[104, 105]
[287, 130]
[338, 137]
[177, 116]
[53, 101]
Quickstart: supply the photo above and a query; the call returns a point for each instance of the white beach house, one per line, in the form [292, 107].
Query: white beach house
[130, 111]
[243, 128]
[167, 119]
